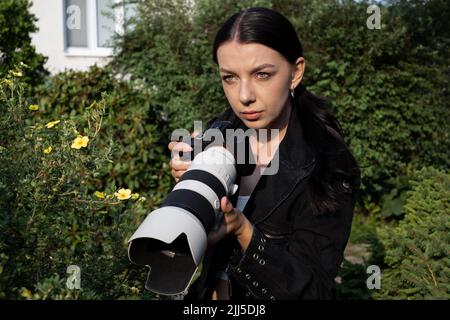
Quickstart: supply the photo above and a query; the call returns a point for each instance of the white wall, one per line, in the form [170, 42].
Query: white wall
[49, 40]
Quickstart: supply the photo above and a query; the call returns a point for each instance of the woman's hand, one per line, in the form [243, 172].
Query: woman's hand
[178, 166]
[233, 222]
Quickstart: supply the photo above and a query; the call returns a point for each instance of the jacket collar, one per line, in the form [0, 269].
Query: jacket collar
[296, 161]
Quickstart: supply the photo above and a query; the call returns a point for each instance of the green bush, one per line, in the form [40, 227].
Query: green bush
[138, 130]
[388, 87]
[352, 285]
[169, 50]
[406, 236]
[366, 247]
[16, 24]
[51, 215]
[417, 249]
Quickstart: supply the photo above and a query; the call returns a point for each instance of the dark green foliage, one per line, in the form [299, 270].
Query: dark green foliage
[353, 279]
[50, 216]
[138, 131]
[353, 275]
[16, 25]
[388, 87]
[392, 203]
[417, 249]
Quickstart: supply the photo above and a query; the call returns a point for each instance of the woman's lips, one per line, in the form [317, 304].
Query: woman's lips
[252, 115]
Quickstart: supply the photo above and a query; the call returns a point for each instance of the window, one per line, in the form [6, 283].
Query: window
[90, 24]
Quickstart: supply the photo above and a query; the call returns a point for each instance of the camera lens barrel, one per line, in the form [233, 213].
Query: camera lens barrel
[200, 204]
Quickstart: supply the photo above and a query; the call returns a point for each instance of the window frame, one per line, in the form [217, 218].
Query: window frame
[92, 49]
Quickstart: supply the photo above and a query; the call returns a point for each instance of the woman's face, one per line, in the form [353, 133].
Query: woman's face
[256, 80]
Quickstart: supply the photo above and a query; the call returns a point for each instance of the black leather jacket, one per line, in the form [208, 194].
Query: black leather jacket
[293, 253]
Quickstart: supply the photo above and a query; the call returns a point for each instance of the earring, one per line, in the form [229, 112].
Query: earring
[292, 93]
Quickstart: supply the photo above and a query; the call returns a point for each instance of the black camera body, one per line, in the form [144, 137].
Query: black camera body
[238, 144]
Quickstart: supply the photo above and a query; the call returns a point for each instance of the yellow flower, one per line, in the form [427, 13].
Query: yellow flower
[134, 196]
[26, 294]
[48, 150]
[16, 73]
[51, 124]
[33, 107]
[80, 142]
[8, 82]
[100, 195]
[123, 194]
[134, 290]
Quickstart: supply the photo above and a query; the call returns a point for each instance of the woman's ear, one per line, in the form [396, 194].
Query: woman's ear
[297, 72]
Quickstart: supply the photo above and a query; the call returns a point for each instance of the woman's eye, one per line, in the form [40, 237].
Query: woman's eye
[262, 75]
[228, 78]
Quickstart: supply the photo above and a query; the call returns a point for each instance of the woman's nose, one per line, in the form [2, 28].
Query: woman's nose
[246, 94]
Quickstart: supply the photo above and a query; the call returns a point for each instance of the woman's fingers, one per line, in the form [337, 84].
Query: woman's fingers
[229, 223]
[177, 147]
[224, 227]
[182, 146]
[225, 205]
[177, 174]
[179, 165]
[172, 144]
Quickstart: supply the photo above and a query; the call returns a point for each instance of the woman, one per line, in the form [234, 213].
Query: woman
[282, 236]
